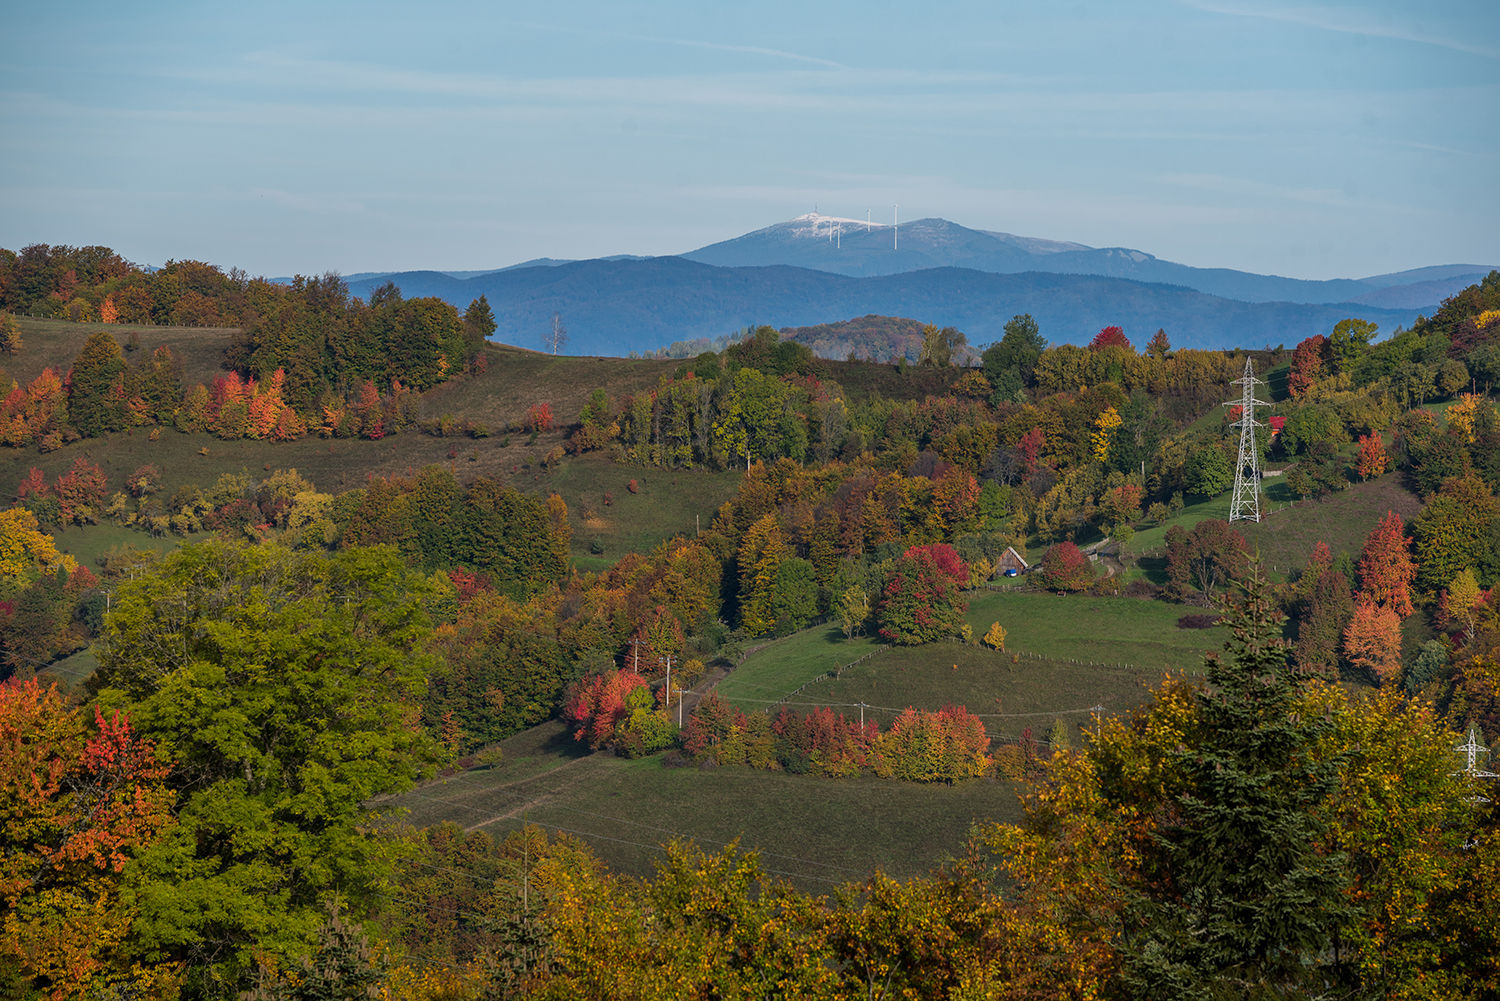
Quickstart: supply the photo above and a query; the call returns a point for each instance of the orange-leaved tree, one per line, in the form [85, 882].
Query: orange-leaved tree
[1372, 458]
[77, 802]
[1373, 640]
[1386, 569]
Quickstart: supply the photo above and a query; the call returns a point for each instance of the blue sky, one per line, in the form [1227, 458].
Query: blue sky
[1303, 140]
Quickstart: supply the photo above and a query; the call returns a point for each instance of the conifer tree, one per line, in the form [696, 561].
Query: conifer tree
[1246, 904]
[92, 403]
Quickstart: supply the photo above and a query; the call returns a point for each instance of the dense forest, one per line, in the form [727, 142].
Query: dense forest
[195, 819]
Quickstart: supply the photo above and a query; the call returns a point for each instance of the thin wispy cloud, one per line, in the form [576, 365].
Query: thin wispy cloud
[1349, 20]
[748, 49]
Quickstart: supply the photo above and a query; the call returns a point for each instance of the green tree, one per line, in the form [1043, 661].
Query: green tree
[1208, 472]
[794, 596]
[1014, 357]
[1350, 339]
[479, 322]
[1248, 904]
[91, 401]
[284, 686]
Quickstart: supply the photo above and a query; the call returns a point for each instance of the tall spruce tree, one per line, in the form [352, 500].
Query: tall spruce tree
[1243, 904]
[99, 366]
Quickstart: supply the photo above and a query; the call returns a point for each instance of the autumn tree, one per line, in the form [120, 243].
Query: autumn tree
[78, 802]
[1158, 347]
[1307, 366]
[1461, 601]
[1386, 570]
[1373, 640]
[596, 705]
[1372, 458]
[942, 347]
[995, 637]
[1103, 435]
[853, 610]
[10, 335]
[922, 601]
[1109, 337]
[1121, 505]
[1065, 568]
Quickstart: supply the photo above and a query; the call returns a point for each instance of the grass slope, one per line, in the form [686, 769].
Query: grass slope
[816, 831]
[1142, 634]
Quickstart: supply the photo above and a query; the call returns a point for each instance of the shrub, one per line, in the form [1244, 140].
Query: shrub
[1196, 621]
[539, 418]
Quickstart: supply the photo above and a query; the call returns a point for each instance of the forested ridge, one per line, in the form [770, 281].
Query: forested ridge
[198, 818]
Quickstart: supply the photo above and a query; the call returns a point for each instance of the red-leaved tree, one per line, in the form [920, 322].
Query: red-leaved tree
[1386, 569]
[595, 705]
[1065, 568]
[1029, 448]
[80, 491]
[77, 802]
[1109, 337]
[539, 417]
[1307, 366]
[922, 600]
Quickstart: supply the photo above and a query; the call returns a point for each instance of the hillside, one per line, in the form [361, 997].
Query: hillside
[613, 307]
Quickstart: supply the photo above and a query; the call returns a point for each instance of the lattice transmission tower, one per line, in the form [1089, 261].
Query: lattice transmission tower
[1244, 503]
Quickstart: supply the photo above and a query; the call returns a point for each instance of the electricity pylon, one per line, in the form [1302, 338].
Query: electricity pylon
[1474, 753]
[1244, 503]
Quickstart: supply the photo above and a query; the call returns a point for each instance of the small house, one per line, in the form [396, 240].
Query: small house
[1011, 560]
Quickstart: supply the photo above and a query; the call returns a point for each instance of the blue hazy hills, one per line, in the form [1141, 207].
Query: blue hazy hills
[818, 269]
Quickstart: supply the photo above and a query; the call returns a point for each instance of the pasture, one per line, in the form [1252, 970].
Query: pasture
[817, 832]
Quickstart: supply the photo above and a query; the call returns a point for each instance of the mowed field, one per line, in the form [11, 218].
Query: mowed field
[817, 832]
[1064, 645]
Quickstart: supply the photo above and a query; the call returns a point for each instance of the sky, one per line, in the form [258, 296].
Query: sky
[1284, 138]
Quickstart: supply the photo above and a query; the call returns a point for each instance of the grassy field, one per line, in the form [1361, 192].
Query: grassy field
[1286, 538]
[818, 832]
[786, 664]
[55, 343]
[667, 502]
[1143, 634]
[1062, 653]
[1013, 693]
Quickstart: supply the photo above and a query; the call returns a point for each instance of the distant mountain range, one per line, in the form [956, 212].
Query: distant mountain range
[818, 269]
[613, 307]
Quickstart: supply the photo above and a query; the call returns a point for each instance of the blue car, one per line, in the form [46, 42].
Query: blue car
[1012, 572]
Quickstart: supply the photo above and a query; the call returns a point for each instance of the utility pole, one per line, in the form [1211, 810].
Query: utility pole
[668, 659]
